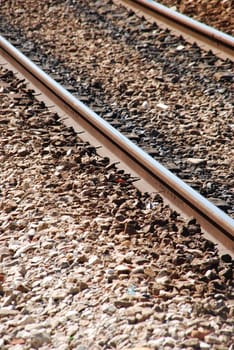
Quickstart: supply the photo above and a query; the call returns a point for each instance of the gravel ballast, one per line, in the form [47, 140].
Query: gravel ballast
[86, 261]
[171, 98]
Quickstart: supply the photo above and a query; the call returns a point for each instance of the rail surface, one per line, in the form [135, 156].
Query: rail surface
[208, 37]
[153, 177]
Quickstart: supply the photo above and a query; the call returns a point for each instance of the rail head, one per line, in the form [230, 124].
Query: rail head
[153, 176]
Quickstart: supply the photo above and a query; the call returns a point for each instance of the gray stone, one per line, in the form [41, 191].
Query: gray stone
[39, 338]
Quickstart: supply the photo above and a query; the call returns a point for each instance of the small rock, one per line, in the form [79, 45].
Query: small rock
[39, 338]
[130, 227]
[155, 343]
[145, 105]
[24, 249]
[204, 346]
[138, 270]
[82, 259]
[162, 106]
[123, 303]
[82, 285]
[149, 272]
[180, 48]
[60, 340]
[22, 287]
[22, 152]
[7, 312]
[26, 320]
[71, 315]
[212, 339]
[200, 334]
[93, 260]
[109, 309]
[193, 342]
[10, 206]
[196, 161]
[122, 269]
[210, 274]
[164, 280]
[73, 329]
[4, 252]
[59, 294]
[81, 347]
[118, 339]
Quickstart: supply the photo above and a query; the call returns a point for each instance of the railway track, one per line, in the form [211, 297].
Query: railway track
[206, 37]
[152, 175]
[216, 14]
[87, 261]
[67, 256]
[171, 89]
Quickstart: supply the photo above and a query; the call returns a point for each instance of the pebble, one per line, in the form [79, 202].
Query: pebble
[39, 338]
[122, 269]
[196, 161]
[204, 346]
[26, 320]
[123, 303]
[193, 342]
[109, 309]
[94, 260]
[7, 312]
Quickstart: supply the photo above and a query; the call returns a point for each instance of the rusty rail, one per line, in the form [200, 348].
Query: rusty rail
[217, 225]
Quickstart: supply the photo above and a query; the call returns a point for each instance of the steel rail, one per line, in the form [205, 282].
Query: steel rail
[214, 39]
[217, 225]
